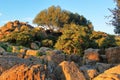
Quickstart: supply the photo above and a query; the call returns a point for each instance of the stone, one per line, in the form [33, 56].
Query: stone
[91, 56]
[113, 55]
[44, 49]
[8, 61]
[32, 52]
[110, 74]
[68, 71]
[2, 50]
[89, 71]
[101, 67]
[25, 72]
[34, 46]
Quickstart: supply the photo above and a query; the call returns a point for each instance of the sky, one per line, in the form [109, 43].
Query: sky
[26, 10]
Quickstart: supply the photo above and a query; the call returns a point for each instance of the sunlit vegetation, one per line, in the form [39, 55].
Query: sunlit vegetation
[74, 32]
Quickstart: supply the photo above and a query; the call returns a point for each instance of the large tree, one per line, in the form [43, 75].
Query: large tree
[52, 17]
[55, 17]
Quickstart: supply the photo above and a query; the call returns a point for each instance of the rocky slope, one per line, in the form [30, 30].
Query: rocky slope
[43, 63]
[54, 65]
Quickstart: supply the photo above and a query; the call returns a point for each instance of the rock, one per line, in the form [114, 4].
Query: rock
[34, 46]
[25, 72]
[76, 58]
[103, 58]
[23, 50]
[68, 71]
[91, 56]
[53, 59]
[8, 61]
[32, 52]
[2, 51]
[110, 74]
[113, 55]
[89, 71]
[44, 49]
[101, 67]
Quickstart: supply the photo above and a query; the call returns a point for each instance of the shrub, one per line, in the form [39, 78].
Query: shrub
[47, 43]
[73, 39]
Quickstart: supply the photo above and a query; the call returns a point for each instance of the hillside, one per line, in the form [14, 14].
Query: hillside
[29, 53]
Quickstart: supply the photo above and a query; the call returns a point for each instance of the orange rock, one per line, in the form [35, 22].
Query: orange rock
[24, 72]
[69, 71]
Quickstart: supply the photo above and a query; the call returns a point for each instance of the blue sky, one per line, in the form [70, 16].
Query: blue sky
[26, 10]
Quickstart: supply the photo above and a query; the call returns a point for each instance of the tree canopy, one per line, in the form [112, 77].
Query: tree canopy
[55, 17]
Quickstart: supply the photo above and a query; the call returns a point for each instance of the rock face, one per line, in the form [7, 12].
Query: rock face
[113, 55]
[6, 62]
[24, 72]
[110, 74]
[69, 71]
[13, 26]
[91, 56]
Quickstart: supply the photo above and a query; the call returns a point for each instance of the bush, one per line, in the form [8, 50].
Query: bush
[9, 49]
[73, 39]
[47, 43]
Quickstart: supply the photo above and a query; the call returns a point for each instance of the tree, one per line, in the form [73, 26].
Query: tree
[116, 17]
[52, 17]
[55, 17]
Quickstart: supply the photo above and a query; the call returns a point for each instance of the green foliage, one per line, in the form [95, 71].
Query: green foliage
[25, 36]
[116, 17]
[47, 43]
[108, 42]
[73, 39]
[103, 40]
[9, 49]
[117, 39]
[3, 45]
[39, 54]
[56, 17]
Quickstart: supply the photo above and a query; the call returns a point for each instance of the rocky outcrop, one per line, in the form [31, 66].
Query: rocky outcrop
[91, 56]
[13, 26]
[6, 62]
[25, 72]
[68, 71]
[113, 55]
[110, 74]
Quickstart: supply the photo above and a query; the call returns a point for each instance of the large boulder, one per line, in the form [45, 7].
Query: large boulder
[113, 55]
[25, 72]
[91, 56]
[6, 62]
[68, 71]
[110, 74]
[53, 58]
